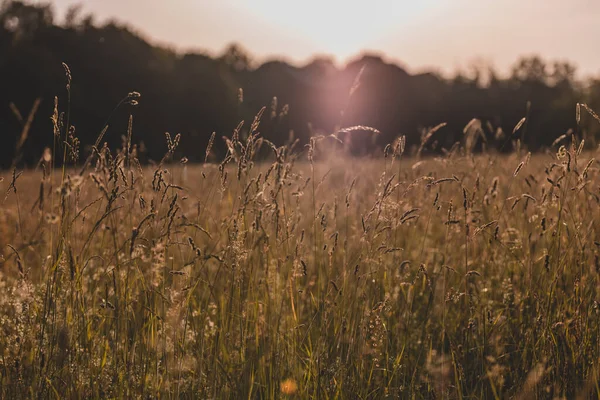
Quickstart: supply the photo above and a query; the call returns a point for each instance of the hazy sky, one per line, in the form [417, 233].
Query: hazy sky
[443, 35]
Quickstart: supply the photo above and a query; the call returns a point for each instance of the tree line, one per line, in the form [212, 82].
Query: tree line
[195, 94]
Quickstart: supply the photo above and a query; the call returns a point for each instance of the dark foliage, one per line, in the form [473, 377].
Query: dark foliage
[195, 95]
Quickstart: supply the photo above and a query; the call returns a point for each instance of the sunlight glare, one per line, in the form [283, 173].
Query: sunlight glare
[340, 28]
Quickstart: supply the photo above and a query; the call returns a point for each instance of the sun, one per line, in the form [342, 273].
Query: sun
[340, 28]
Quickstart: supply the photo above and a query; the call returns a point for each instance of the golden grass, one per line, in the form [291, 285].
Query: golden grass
[454, 277]
[307, 274]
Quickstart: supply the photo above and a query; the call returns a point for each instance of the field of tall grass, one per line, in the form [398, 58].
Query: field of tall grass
[299, 272]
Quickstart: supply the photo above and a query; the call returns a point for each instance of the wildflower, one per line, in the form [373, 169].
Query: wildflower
[289, 386]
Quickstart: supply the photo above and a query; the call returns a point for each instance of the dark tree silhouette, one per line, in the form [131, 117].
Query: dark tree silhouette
[195, 95]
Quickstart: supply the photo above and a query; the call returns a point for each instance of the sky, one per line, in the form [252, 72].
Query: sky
[436, 35]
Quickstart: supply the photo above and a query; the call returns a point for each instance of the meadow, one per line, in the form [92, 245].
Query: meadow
[301, 272]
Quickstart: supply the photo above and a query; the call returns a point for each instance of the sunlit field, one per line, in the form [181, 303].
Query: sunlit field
[301, 272]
